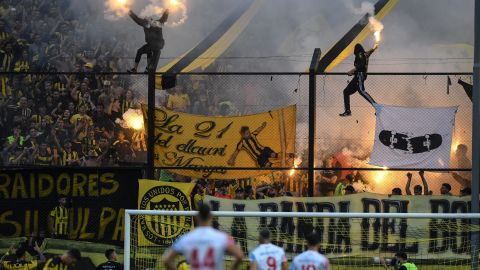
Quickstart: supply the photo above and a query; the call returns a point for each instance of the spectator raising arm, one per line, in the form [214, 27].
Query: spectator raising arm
[425, 184]
[409, 182]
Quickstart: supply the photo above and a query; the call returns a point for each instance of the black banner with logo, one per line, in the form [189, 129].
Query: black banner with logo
[96, 199]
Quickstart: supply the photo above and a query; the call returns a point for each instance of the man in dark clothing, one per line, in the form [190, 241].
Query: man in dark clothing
[360, 72]
[111, 263]
[153, 38]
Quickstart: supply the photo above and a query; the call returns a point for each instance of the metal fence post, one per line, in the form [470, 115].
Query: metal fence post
[312, 111]
[151, 126]
[475, 133]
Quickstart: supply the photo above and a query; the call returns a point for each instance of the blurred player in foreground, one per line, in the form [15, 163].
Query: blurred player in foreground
[311, 259]
[267, 256]
[204, 247]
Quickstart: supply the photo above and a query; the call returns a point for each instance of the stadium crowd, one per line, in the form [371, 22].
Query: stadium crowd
[75, 120]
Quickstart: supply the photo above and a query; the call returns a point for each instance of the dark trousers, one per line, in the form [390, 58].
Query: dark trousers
[357, 84]
[153, 54]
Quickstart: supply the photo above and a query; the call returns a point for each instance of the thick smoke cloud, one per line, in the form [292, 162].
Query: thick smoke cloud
[419, 36]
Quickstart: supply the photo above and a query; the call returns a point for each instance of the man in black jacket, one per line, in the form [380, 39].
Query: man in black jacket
[360, 75]
[153, 38]
[111, 263]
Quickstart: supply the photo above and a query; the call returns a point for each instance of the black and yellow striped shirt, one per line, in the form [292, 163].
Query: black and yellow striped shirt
[60, 220]
[55, 263]
[126, 105]
[4, 36]
[43, 159]
[7, 63]
[251, 145]
[20, 265]
[59, 86]
[21, 66]
[5, 88]
[89, 147]
[69, 157]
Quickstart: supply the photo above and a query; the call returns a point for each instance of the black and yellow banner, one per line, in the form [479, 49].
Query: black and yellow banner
[344, 47]
[208, 145]
[356, 237]
[157, 195]
[97, 199]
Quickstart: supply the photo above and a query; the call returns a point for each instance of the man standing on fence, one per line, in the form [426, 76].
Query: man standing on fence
[360, 75]
[153, 38]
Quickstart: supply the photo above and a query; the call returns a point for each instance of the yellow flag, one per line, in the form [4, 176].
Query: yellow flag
[157, 195]
[264, 140]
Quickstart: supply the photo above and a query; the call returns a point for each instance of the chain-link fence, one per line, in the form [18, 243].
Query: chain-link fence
[46, 117]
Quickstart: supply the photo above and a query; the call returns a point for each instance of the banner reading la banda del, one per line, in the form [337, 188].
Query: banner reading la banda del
[212, 144]
[157, 195]
[96, 199]
[424, 238]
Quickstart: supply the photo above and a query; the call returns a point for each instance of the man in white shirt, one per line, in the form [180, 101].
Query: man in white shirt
[311, 259]
[267, 256]
[204, 247]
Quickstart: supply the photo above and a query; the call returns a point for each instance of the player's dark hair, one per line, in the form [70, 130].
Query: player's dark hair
[265, 234]
[417, 187]
[204, 212]
[313, 239]
[20, 252]
[75, 253]
[447, 186]
[108, 253]
[401, 255]
[243, 129]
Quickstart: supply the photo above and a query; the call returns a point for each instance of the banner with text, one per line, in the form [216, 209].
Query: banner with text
[157, 195]
[421, 238]
[264, 140]
[96, 199]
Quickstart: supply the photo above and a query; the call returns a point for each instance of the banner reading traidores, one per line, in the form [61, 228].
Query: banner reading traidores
[265, 140]
[157, 195]
[368, 237]
[97, 199]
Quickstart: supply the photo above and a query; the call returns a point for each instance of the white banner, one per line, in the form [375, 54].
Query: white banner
[413, 137]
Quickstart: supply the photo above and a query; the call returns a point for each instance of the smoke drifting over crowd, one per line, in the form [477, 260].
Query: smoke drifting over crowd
[421, 36]
[418, 36]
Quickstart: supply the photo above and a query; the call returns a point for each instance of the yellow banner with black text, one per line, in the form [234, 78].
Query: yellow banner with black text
[206, 146]
[156, 195]
[422, 239]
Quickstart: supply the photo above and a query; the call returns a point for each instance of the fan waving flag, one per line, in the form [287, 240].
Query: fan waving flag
[413, 137]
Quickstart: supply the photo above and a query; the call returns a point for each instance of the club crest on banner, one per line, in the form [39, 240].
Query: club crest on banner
[155, 195]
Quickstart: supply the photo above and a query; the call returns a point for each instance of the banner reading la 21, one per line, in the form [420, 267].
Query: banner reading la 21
[264, 140]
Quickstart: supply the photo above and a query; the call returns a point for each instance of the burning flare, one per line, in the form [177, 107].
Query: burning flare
[133, 119]
[376, 26]
[115, 9]
[177, 11]
[297, 161]
[380, 175]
